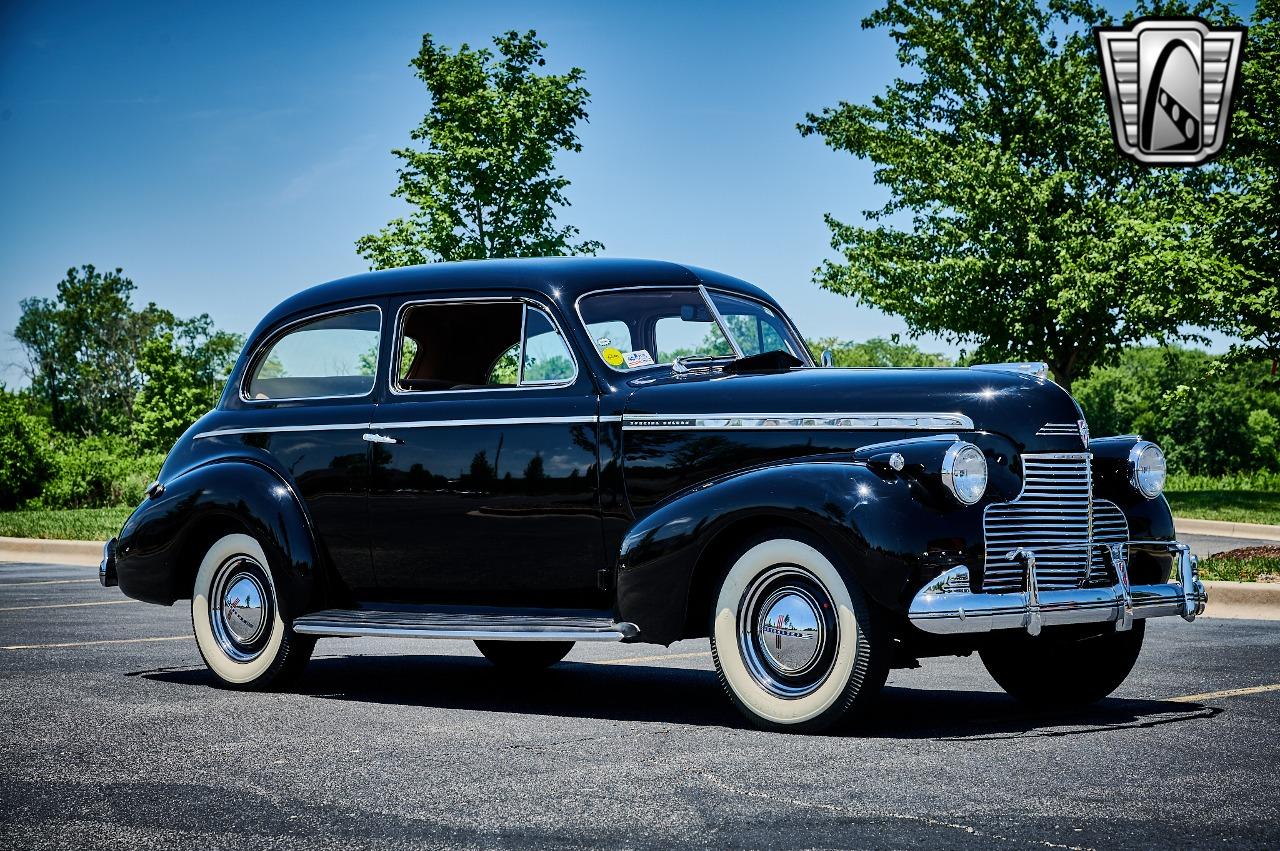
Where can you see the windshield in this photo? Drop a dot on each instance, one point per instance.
(636, 328)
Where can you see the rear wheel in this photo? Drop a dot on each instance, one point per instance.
(1057, 671)
(524, 655)
(797, 647)
(236, 618)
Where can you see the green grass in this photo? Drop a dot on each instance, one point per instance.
(73, 524)
(1240, 569)
(1239, 498)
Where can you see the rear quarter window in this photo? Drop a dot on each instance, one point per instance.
(334, 355)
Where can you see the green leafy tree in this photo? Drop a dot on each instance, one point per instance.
(1224, 426)
(183, 371)
(877, 351)
(1029, 236)
(1242, 203)
(82, 348)
(484, 182)
(93, 358)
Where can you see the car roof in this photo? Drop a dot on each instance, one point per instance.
(560, 279)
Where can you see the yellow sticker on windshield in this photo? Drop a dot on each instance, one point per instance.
(612, 356)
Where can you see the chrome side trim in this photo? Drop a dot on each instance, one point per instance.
(225, 432)
(279, 334)
(491, 421)
(821, 421)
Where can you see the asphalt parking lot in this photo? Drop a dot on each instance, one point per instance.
(115, 736)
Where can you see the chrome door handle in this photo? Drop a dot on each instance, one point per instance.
(379, 438)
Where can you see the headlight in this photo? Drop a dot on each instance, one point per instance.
(964, 472)
(1147, 469)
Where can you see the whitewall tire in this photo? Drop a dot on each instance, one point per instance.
(796, 646)
(235, 614)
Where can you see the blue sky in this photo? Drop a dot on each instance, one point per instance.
(228, 155)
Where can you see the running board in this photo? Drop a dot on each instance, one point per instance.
(487, 626)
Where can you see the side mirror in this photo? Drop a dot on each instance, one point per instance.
(828, 360)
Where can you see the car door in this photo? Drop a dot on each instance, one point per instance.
(310, 388)
(484, 478)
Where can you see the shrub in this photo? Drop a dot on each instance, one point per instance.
(26, 451)
(98, 472)
(1206, 424)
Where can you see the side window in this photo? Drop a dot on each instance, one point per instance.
(546, 355)
(479, 345)
(335, 355)
(754, 327)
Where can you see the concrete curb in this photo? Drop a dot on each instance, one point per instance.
(1249, 600)
(1222, 529)
(87, 553)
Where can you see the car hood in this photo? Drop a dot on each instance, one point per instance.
(1016, 405)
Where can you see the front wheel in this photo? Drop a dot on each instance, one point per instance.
(1054, 671)
(797, 647)
(236, 618)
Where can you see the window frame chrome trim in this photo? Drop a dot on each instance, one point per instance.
(524, 301)
(720, 323)
(280, 333)
(779, 313)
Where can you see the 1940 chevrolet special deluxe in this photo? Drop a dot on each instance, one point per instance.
(531, 453)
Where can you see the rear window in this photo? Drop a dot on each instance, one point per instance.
(335, 355)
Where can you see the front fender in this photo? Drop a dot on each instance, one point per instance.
(884, 535)
(160, 546)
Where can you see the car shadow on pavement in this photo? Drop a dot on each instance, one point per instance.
(676, 695)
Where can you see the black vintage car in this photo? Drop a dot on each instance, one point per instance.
(531, 453)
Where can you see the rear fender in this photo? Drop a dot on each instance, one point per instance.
(161, 544)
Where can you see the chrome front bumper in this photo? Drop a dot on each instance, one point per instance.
(947, 606)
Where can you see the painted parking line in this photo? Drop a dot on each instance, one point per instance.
(94, 643)
(1231, 692)
(45, 582)
(658, 658)
(66, 605)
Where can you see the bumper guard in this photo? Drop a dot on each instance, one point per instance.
(946, 605)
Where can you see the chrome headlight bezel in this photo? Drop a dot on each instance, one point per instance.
(954, 474)
(1148, 483)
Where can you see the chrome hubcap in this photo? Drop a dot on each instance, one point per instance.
(787, 631)
(241, 608)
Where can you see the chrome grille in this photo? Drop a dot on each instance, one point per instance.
(1054, 516)
(1109, 527)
